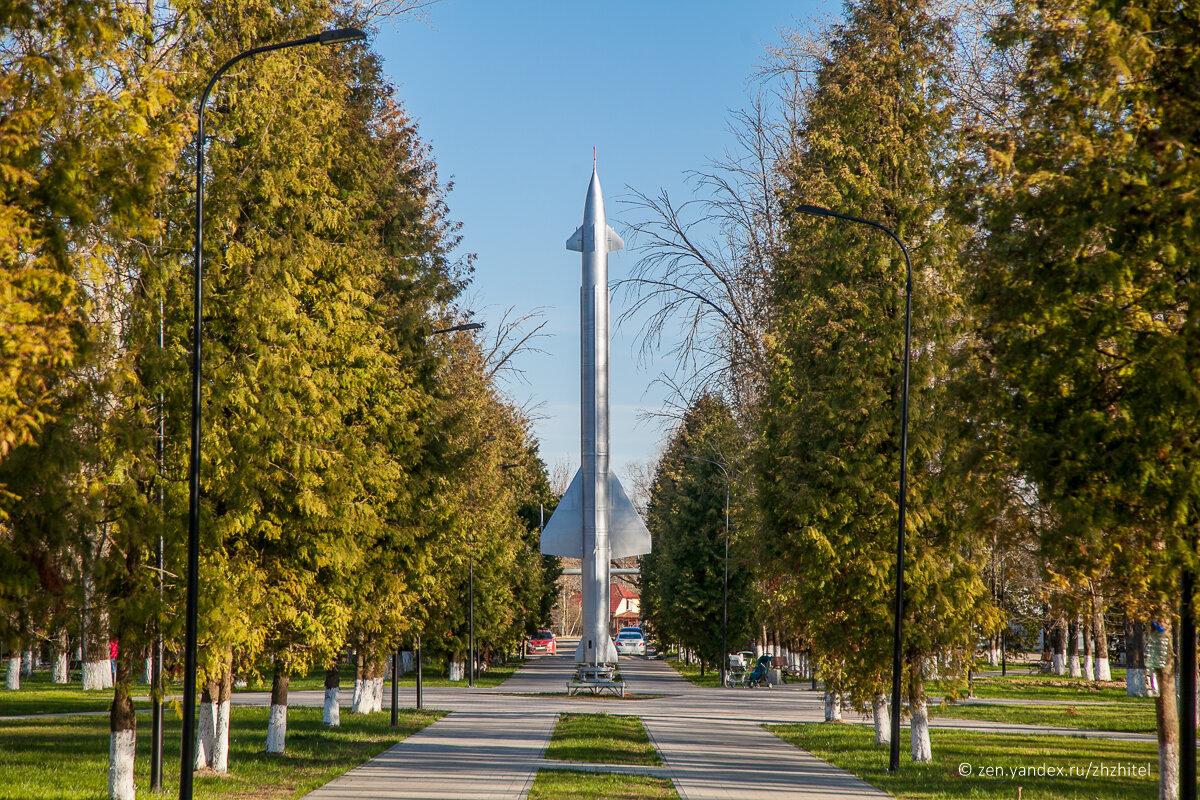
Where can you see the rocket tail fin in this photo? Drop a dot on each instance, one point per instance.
(563, 534)
(627, 534)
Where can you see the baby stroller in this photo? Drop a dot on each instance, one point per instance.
(758, 675)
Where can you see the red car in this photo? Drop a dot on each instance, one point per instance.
(542, 642)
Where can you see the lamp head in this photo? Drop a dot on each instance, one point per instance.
(340, 35)
(814, 210)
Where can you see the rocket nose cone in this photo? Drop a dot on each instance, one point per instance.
(593, 207)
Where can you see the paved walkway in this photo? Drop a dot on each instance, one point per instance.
(466, 755)
(711, 741)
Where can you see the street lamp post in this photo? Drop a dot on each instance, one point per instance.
(471, 619)
(468, 326)
(894, 758)
(193, 552)
(725, 582)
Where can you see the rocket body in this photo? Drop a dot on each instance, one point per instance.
(595, 520)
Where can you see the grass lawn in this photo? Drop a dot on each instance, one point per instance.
(1046, 687)
(38, 695)
(852, 748)
(1135, 719)
(712, 676)
(554, 784)
(601, 739)
(433, 675)
(66, 758)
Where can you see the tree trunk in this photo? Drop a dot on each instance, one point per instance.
(122, 741)
(833, 706)
(922, 751)
(364, 686)
(1089, 670)
(206, 735)
(1100, 634)
(61, 658)
(1167, 716)
(148, 671)
(27, 664)
(1073, 648)
(359, 678)
(458, 670)
(1058, 635)
(333, 712)
(277, 720)
(1135, 661)
(97, 669)
(883, 720)
(220, 750)
(12, 678)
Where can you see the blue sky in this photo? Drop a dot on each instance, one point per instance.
(513, 96)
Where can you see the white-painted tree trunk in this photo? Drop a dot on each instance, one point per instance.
(458, 670)
(333, 712)
(148, 671)
(27, 664)
(1058, 664)
(206, 733)
(12, 678)
(377, 694)
(1135, 682)
(922, 751)
(97, 674)
(277, 729)
(59, 673)
(122, 746)
(361, 704)
(833, 706)
(220, 748)
(406, 661)
(883, 720)
(1103, 671)
(1073, 667)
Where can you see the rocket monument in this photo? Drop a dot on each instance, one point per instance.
(595, 521)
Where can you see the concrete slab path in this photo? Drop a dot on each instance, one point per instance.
(711, 741)
(466, 755)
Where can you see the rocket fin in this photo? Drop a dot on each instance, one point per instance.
(576, 241)
(615, 242)
(563, 534)
(627, 534)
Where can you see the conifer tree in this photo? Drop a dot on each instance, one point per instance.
(1087, 279)
(875, 142)
(683, 577)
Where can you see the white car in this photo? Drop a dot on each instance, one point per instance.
(631, 643)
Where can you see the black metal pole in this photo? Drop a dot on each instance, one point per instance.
(898, 609)
(471, 625)
(395, 689)
(1187, 687)
(193, 547)
(156, 684)
(725, 594)
(420, 699)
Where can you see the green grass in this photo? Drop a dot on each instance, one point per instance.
(555, 784)
(38, 695)
(601, 739)
(712, 677)
(432, 675)
(1045, 687)
(852, 748)
(67, 758)
(1138, 719)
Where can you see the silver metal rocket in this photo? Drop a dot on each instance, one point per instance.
(594, 520)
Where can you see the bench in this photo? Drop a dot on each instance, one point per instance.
(1042, 666)
(596, 680)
